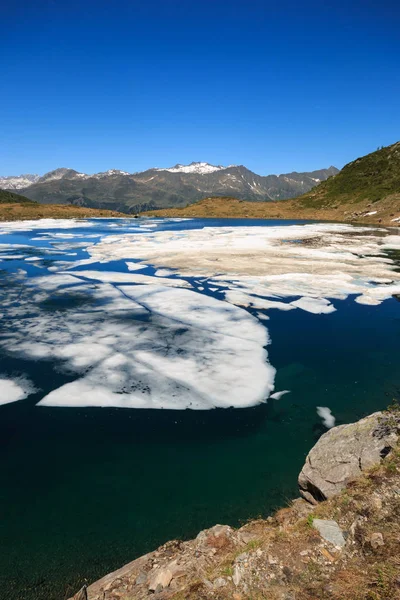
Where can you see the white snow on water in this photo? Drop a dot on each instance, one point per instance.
(278, 395)
(317, 306)
(135, 266)
(117, 277)
(15, 389)
(147, 346)
(312, 263)
(152, 341)
(326, 415)
(164, 273)
(9, 226)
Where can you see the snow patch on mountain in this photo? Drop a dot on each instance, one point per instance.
(200, 168)
(17, 182)
(108, 173)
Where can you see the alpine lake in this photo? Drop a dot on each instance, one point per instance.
(141, 365)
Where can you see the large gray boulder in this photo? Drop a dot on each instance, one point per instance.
(344, 452)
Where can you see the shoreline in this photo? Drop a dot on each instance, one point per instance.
(33, 212)
(386, 214)
(215, 208)
(302, 550)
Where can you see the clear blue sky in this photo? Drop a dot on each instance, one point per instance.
(277, 85)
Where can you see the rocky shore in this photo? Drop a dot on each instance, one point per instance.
(340, 540)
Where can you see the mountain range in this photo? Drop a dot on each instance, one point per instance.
(155, 188)
(366, 190)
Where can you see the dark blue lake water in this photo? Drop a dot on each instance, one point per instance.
(85, 489)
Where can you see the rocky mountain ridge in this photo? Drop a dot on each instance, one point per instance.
(367, 190)
(161, 187)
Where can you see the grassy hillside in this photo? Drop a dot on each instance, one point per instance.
(14, 207)
(370, 178)
(10, 197)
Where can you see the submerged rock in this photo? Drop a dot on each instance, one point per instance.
(344, 452)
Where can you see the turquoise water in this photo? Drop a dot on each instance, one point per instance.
(85, 490)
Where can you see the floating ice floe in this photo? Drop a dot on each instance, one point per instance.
(135, 266)
(326, 415)
(144, 346)
(260, 265)
(164, 273)
(15, 389)
(29, 225)
(278, 395)
(152, 341)
(118, 277)
(317, 306)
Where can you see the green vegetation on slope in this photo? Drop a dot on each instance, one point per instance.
(10, 197)
(373, 177)
(14, 207)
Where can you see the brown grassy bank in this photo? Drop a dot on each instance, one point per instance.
(14, 211)
(384, 211)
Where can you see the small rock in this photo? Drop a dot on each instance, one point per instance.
(219, 582)
(272, 560)
(329, 588)
(207, 583)
(141, 578)
(376, 503)
(237, 576)
(376, 540)
(82, 594)
(162, 577)
(236, 596)
(288, 573)
(242, 557)
(356, 523)
(330, 531)
(246, 536)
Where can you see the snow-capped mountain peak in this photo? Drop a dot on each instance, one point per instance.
(200, 168)
(18, 182)
(109, 173)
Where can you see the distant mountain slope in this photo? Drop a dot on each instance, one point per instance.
(18, 182)
(7, 197)
(163, 188)
(367, 190)
(371, 178)
(14, 207)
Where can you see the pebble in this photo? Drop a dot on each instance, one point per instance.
(219, 582)
(376, 540)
